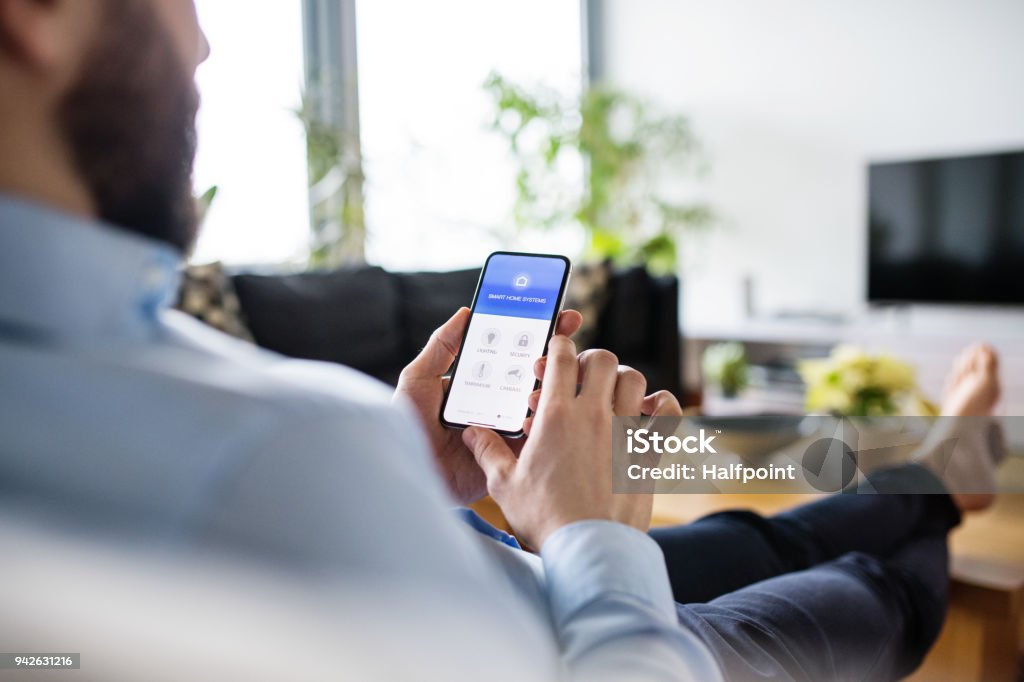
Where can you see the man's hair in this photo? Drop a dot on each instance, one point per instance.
(129, 120)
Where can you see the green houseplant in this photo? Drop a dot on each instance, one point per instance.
(628, 150)
(335, 167)
(725, 367)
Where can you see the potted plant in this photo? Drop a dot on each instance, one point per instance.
(877, 408)
(853, 383)
(628, 149)
(725, 368)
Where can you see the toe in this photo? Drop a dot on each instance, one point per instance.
(989, 359)
(964, 363)
(961, 365)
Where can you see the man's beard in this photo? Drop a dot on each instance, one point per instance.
(129, 122)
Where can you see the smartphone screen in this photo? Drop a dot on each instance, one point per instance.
(514, 311)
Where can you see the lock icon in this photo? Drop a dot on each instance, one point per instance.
(524, 340)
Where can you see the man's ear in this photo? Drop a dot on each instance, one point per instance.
(45, 34)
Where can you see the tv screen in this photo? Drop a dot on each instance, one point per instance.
(947, 230)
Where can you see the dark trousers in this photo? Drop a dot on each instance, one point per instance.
(850, 587)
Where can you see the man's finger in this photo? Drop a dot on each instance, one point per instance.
(665, 412)
(569, 322)
(439, 353)
(662, 404)
(630, 385)
(492, 454)
(560, 370)
(598, 369)
(542, 361)
(538, 367)
(533, 400)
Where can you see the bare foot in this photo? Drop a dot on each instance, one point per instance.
(968, 470)
(972, 388)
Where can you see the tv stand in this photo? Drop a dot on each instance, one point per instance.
(927, 337)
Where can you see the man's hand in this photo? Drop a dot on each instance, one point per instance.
(564, 471)
(423, 383)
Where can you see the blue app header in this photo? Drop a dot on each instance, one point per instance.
(521, 286)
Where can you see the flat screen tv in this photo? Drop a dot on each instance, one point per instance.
(947, 230)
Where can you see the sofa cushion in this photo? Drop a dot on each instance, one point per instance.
(430, 298)
(350, 316)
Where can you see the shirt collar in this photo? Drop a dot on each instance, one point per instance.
(66, 275)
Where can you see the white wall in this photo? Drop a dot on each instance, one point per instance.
(791, 98)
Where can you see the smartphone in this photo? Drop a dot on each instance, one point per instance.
(515, 308)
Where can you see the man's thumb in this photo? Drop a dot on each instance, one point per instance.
(439, 353)
(491, 453)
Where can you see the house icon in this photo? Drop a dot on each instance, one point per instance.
(521, 281)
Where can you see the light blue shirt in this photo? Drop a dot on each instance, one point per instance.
(121, 413)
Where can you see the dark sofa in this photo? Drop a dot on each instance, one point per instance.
(376, 321)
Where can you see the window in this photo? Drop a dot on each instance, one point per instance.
(251, 144)
(440, 186)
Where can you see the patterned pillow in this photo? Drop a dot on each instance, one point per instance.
(208, 295)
